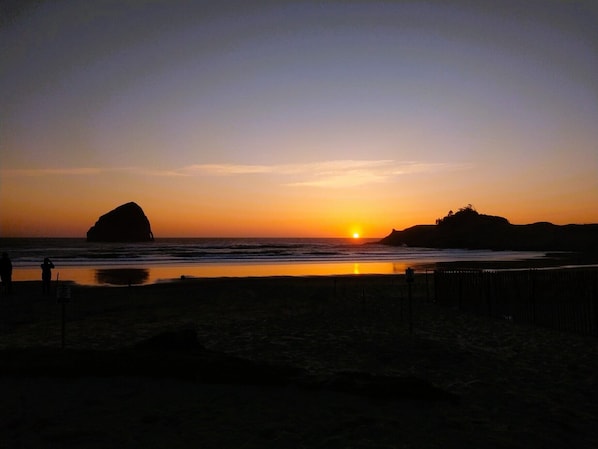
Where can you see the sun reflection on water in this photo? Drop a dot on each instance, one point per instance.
(157, 273)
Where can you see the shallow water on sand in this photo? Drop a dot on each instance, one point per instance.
(131, 275)
(165, 259)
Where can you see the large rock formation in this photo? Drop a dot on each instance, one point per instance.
(469, 229)
(126, 223)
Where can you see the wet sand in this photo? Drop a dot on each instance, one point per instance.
(517, 386)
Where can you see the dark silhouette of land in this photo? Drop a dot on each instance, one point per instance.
(469, 229)
(126, 223)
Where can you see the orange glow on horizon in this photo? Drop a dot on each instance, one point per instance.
(181, 213)
(312, 135)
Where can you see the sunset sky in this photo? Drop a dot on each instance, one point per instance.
(296, 119)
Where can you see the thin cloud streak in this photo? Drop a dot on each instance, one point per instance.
(336, 173)
(325, 174)
(29, 172)
(82, 171)
(227, 169)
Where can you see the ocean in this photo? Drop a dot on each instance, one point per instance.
(172, 258)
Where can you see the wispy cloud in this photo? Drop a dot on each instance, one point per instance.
(227, 169)
(84, 171)
(336, 173)
(331, 174)
(73, 171)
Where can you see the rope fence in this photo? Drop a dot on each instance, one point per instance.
(562, 299)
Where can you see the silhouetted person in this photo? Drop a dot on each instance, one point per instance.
(46, 275)
(6, 273)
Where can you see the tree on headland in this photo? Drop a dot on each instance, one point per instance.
(467, 216)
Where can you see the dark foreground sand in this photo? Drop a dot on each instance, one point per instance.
(517, 386)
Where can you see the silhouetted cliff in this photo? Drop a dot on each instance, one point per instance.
(469, 229)
(126, 223)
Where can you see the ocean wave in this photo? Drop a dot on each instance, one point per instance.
(77, 252)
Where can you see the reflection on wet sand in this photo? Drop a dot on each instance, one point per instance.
(122, 276)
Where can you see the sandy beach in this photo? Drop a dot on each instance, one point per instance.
(499, 384)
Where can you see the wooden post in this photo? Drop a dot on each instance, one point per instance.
(409, 277)
(532, 295)
(63, 293)
(63, 326)
(427, 288)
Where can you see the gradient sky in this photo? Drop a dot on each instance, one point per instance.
(279, 118)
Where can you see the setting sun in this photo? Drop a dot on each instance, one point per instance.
(356, 235)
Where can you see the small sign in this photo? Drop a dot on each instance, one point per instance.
(63, 293)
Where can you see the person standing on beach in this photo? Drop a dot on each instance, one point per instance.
(6, 273)
(46, 275)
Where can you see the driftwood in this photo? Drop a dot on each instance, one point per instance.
(179, 355)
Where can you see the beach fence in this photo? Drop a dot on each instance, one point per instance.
(562, 299)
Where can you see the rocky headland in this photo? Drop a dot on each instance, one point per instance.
(471, 230)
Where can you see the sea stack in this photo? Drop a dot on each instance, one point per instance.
(126, 223)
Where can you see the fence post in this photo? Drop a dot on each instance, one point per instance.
(486, 292)
(409, 277)
(436, 282)
(427, 288)
(532, 295)
(63, 294)
(460, 291)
